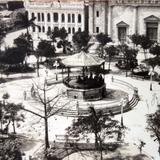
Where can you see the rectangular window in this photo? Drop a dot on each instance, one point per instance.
(39, 17)
(55, 17)
(42, 17)
(122, 34)
(152, 30)
(97, 29)
(97, 13)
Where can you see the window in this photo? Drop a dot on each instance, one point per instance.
(73, 30)
(79, 29)
(69, 30)
(55, 17)
(39, 29)
(49, 29)
(152, 30)
(48, 17)
(62, 18)
(33, 28)
(42, 17)
(97, 29)
(122, 34)
(33, 15)
(79, 18)
(97, 13)
(69, 18)
(43, 29)
(39, 17)
(73, 18)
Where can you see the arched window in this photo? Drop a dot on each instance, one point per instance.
(73, 30)
(63, 18)
(73, 18)
(79, 29)
(43, 29)
(79, 18)
(42, 17)
(55, 17)
(33, 29)
(39, 29)
(39, 17)
(33, 15)
(48, 17)
(69, 18)
(49, 29)
(69, 30)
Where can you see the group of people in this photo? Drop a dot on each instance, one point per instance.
(91, 77)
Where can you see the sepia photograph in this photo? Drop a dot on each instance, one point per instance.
(79, 79)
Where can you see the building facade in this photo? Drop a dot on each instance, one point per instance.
(118, 18)
(52, 14)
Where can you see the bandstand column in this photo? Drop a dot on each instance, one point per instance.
(68, 72)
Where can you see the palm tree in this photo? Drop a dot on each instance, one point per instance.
(24, 21)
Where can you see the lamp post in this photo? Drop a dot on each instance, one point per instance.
(122, 103)
(151, 73)
(56, 65)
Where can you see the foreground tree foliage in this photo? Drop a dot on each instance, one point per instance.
(110, 51)
(10, 113)
(13, 56)
(62, 35)
(80, 40)
(103, 39)
(155, 50)
(129, 57)
(10, 149)
(143, 41)
(153, 121)
(45, 49)
(101, 126)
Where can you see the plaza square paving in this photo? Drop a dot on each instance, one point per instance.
(33, 126)
(135, 119)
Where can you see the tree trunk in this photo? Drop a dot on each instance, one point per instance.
(96, 140)
(109, 64)
(14, 128)
(38, 66)
(46, 133)
(64, 49)
(45, 119)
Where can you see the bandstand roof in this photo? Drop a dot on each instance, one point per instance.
(82, 59)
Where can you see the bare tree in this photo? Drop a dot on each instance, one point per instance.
(50, 105)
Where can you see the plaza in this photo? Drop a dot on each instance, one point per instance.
(135, 119)
(81, 80)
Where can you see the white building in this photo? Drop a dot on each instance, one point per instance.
(118, 18)
(51, 14)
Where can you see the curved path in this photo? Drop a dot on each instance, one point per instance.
(135, 119)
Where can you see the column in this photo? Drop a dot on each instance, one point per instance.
(110, 21)
(76, 22)
(93, 10)
(59, 20)
(82, 21)
(45, 22)
(136, 20)
(51, 23)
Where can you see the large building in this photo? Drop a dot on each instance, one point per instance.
(118, 18)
